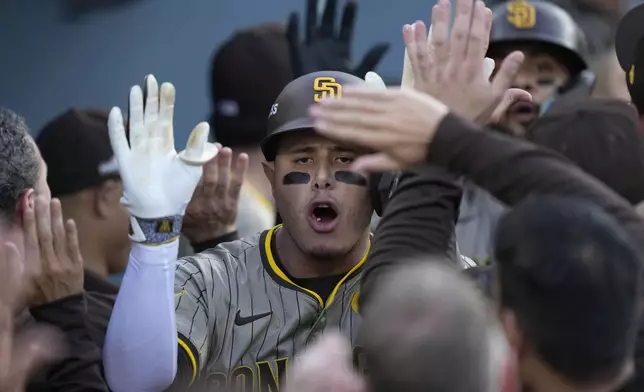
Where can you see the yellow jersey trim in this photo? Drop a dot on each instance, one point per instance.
(193, 360)
(277, 271)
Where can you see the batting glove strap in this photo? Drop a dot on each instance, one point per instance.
(156, 231)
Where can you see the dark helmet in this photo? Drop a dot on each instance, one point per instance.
(543, 23)
(290, 112)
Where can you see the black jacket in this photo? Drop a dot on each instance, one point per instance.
(83, 319)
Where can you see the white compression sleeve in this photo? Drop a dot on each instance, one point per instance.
(140, 352)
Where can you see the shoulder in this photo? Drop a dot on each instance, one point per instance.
(225, 255)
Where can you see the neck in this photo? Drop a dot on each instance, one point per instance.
(300, 264)
(255, 175)
(541, 378)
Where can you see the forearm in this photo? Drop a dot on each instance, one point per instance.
(419, 220)
(140, 352)
(209, 244)
(512, 170)
(81, 369)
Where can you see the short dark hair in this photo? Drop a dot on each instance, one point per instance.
(571, 274)
(20, 167)
(429, 330)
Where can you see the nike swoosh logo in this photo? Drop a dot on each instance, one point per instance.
(239, 320)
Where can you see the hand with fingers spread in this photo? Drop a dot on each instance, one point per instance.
(21, 353)
(61, 263)
(157, 182)
(212, 212)
(400, 124)
(452, 66)
(325, 50)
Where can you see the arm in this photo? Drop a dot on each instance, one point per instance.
(212, 243)
(140, 352)
(419, 219)
(81, 369)
(512, 170)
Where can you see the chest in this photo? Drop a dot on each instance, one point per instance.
(267, 325)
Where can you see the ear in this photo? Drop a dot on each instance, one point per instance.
(269, 172)
(26, 201)
(106, 197)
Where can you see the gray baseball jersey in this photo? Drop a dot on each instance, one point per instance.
(241, 319)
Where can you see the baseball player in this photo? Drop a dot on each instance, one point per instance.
(241, 311)
(554, 72)
(554, 47)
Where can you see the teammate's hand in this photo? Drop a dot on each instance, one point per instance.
(157, 182)
(452, 67)
(212, 212)
(399, 123)
(325, 50)
(61, 263)
(21, 354)
(408, 80)
(325, 366)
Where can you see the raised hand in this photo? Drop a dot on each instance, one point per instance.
(61, 264)
(20, 353)
(212, 212)
(323, 48)
(157, 182)
(399, 123)
(452, 66)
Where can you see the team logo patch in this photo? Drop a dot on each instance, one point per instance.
(326, 87)
(631, 75)
(164, 226)
(522, 14)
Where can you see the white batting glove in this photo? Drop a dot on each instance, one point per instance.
(157, 182)
(374, 81)
(408, 78)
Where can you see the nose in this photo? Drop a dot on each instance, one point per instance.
(323, 178)
(525, 81)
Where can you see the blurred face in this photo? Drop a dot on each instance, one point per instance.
(542, 75)
(117, 220)
(325, 207)
(41, 188)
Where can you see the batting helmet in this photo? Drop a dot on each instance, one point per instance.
(290, 112)
(543, 23)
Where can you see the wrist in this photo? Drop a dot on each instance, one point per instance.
(155, 231)
(213, 242)
(207, 234)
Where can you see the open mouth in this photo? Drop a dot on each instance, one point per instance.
(323, 217)
(524, 112)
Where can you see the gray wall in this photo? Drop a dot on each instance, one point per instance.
(48, 64)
